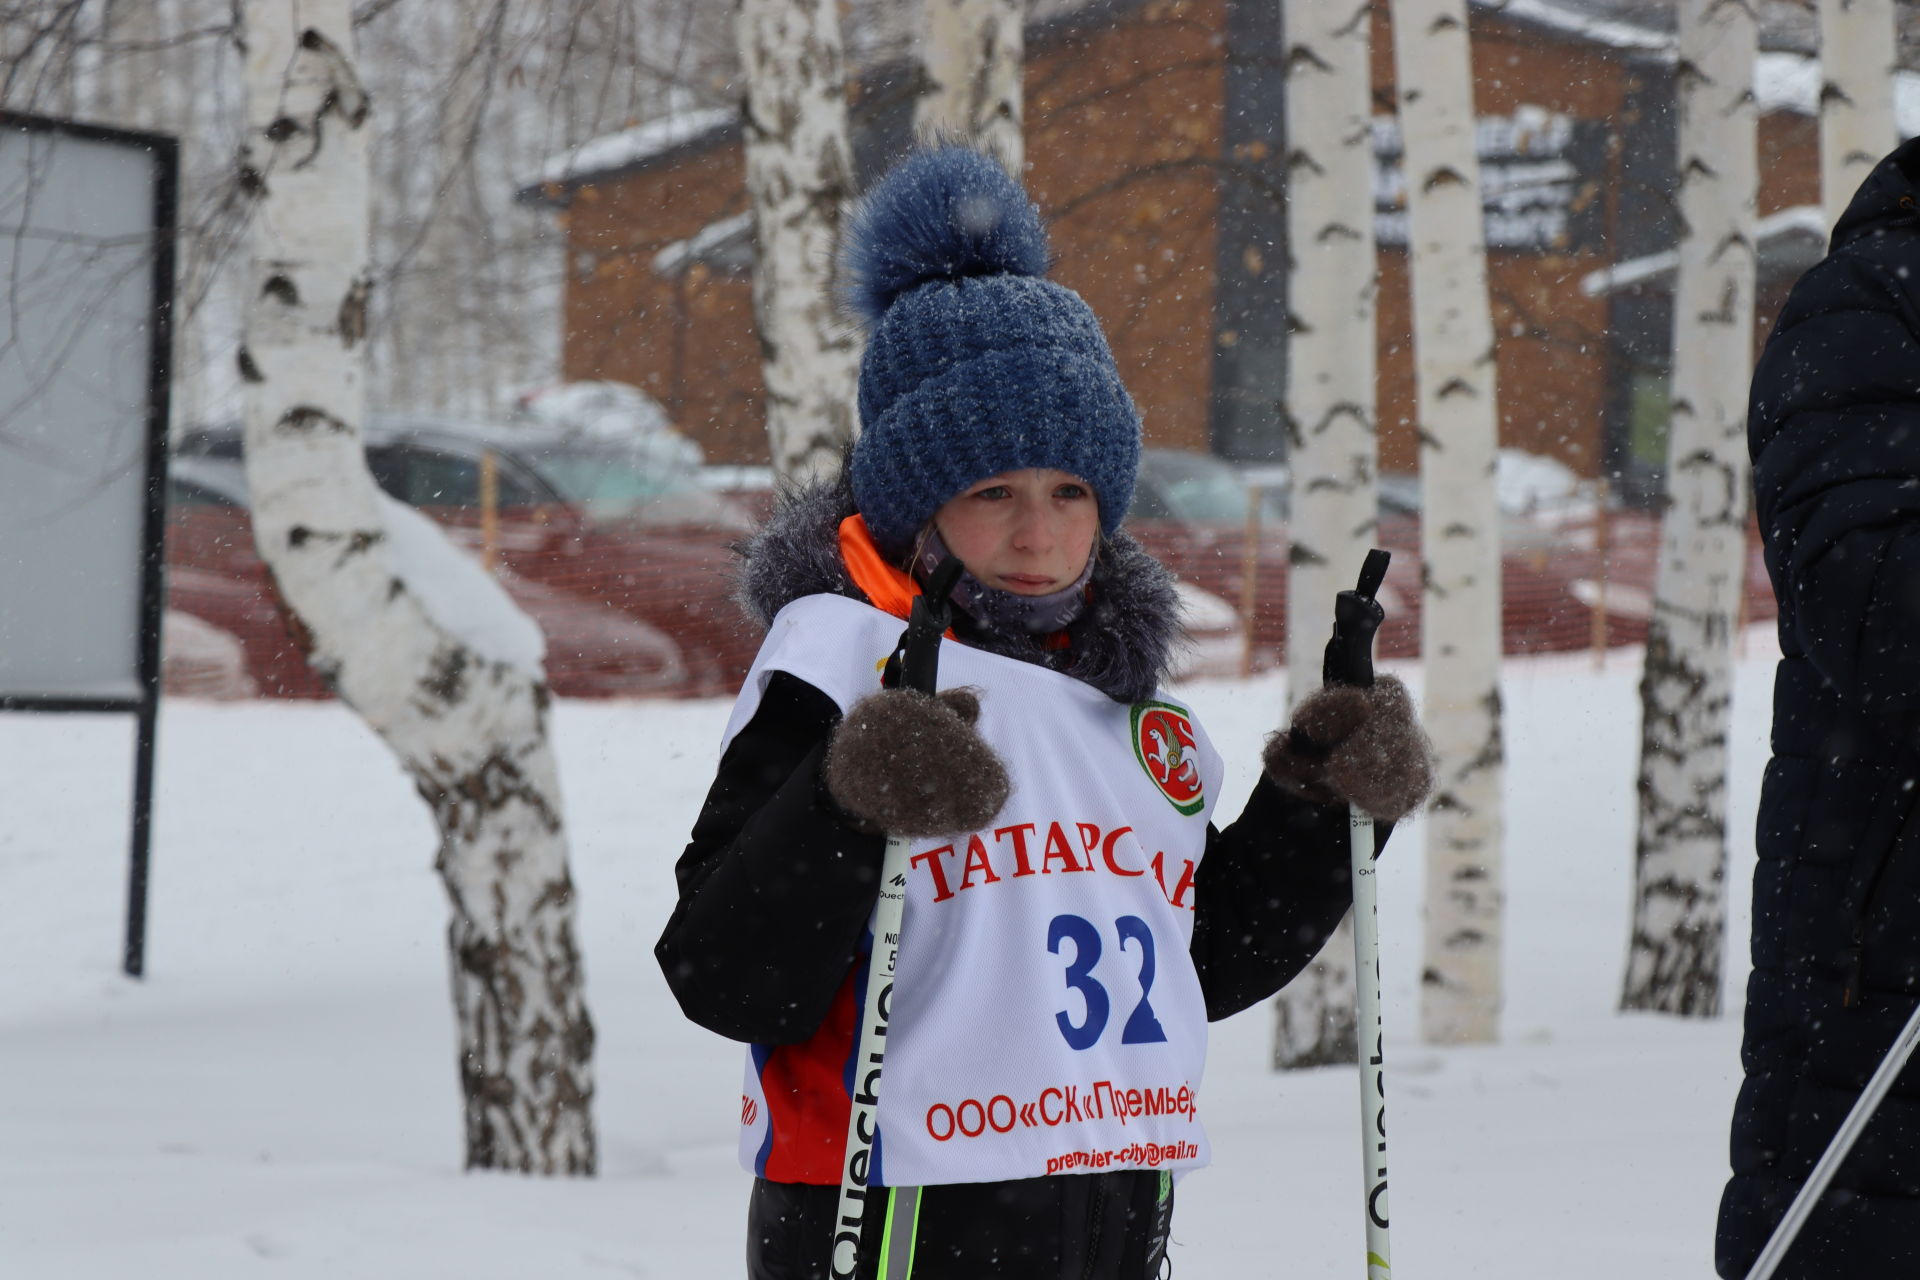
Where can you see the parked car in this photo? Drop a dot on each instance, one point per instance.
(215, 575)
(1628, 549)
(586, 515)
(1192, 511)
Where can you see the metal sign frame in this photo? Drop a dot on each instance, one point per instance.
(145, 707)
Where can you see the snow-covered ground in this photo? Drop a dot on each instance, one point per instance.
(278, 1097)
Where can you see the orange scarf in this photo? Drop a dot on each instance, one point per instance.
(888, 589)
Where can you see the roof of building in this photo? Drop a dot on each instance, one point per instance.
(879, 43)
(1617, 24)
(630, 148)
(1789, 241)
(879, 37)
(1786, 26)
(1791, 82)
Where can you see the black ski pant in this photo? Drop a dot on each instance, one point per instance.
(1083, 1226)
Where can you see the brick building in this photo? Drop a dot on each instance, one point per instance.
(1154, 136)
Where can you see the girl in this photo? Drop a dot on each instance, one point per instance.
(1073, 916)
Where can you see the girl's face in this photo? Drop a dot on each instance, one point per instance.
(1028, 532)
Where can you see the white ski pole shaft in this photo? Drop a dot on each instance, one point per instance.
(863, 1120)
(1829, 1163)
(1356, 618)
(914, 665)
(1373, 1105)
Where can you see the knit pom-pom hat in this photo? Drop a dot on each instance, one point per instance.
(975, 362)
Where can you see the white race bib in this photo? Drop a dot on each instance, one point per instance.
(1046, 1016)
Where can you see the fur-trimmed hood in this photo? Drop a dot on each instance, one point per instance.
(1123, 644)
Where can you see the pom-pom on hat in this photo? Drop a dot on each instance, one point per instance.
(975, 362)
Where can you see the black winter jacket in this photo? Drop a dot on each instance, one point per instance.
(1834, 431)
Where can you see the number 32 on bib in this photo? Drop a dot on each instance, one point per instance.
(1141, 1026)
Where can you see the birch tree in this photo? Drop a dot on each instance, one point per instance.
(1674, 958)
(974, 55)
(799, 175)
(412, 635)
(1458, 421)
(1329, 413)
(1858, 45)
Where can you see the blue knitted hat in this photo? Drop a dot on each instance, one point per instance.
(975, 362)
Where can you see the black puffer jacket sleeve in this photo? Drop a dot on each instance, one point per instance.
(1270, 891)
(775, 887)
(1835, 431)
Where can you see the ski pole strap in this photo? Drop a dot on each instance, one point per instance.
(914, 663)
(903, 1226)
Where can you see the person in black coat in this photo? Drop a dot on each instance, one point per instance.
(1834, 430)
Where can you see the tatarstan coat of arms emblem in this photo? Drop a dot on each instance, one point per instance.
(1165, 745)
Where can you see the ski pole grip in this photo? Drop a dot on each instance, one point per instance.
(1356, 618)
(915, 662)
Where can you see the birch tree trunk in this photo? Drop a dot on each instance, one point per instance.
(414, 636)
(1329, 414)
(799, 176)
(1858, 45)
(974, 53)
(1457, 408)
(1674, 959)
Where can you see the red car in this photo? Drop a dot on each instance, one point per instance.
(612, 520)
(1631, 559)
(215, 575)
(1191, 511)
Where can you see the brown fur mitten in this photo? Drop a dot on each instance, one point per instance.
(911, 764)
(1362, 747)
